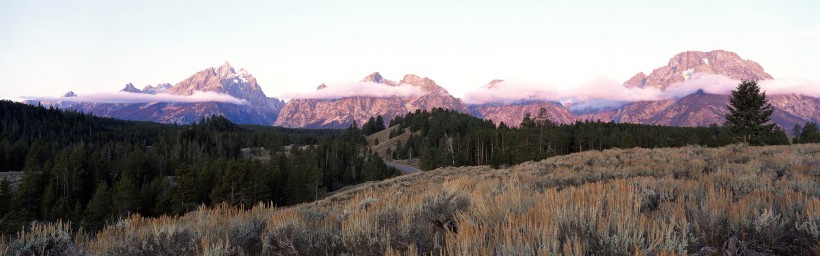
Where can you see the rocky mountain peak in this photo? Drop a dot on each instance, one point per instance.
(69, 94)
(257, 109)
(222, 79)
(130, 88)
(321, 86)
(493, 84)
(226, 80)
(340, 113)
(683, 66)
(225, 70)
(160, 88)
(426, 84)
(375, 77)
(638, 80)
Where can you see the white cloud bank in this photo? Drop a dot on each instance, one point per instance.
(358, 89)
(605, 92)
(128, 97)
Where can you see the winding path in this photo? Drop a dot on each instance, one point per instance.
(404, 169)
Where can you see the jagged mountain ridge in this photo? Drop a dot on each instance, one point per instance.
(702, 109)
(696, 109)
(259, 109)
(342, 112)
(512, 114)
(683, 65)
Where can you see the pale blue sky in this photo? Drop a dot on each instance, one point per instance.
(50, 47)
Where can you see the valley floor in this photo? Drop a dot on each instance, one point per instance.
(734, 199)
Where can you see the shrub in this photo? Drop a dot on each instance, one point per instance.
(436, 216)
(294, 238)
(43, 239)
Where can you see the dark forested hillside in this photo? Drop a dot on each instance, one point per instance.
(91, 171)
(448, 138)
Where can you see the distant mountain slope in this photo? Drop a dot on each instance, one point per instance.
(258, 108)
(512, 114)
(699, 108)
(683, 65)
(339, 113)
(696, 109)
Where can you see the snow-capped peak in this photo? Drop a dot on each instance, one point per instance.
(687, 74)
(240, 76)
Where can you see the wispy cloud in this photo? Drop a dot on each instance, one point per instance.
(127, 97)
(358, 89)
(604, 92)
(791, 86)
(601, 88)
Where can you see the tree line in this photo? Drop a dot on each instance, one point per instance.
(444, 137)
(91, 170)
(448, 138)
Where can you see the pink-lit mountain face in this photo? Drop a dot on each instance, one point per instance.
(699, 108)
(512, 113)
(223, 80)
(342, 112)
(691, 109)
(684, 65)
(696, 109)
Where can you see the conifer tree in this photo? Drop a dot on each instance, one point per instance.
(810, 133)
(380, 124)
(796, 131)
(232, 186)
(371, 170)
(258, 188)
(5, 196)
(749, 113)
(496, 158)
(126, 197)
(304, 181)
(183, 196)
(5, 148)
(99, 207)
(29, 194)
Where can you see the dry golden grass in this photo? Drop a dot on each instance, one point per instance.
(692, 200)
(382, 136)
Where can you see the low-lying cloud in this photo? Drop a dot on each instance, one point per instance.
(128, 97)
(605, 93)
(358, 89)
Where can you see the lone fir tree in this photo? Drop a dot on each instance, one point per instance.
(749, 113)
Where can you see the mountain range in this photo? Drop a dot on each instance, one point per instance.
(697, 108)
(222, 80)
(339, 113)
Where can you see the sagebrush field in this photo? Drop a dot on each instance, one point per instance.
(730, 200)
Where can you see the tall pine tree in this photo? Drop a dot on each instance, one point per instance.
(749, 113)
(126, 197)
(99, 207)
(5, 196)
(810, 133)
(184, 194)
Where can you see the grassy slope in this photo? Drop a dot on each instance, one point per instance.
(385, 142)
(696, 200)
